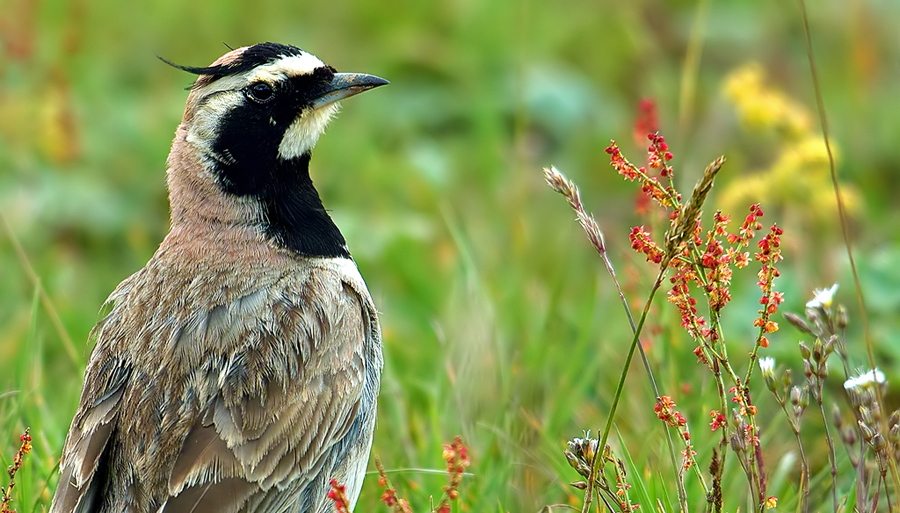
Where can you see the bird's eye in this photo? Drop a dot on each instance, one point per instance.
(260, 92)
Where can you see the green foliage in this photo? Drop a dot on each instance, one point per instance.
(498, 321)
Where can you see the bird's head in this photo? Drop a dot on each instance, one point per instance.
(251, 121)
(258, 105)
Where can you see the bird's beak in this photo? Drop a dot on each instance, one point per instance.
(345, 85)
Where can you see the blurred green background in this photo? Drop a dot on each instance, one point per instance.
(499, 321)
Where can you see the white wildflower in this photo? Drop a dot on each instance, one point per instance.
(767, 366)
(865, 380)
(822, 297)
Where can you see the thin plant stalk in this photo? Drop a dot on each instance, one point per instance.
(831, 456)
(804, 474)
(690, 68)
(845, 231)
(620, 388)
(719, 470)
(68, 345)
(804, 463)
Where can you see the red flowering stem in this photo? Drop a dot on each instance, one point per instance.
(720, 365)
(723, 407)
(722, 355)
(338, 494)
(705, 264)
(456, 454)
(719, 457)
(24, 448)
(389, 498)
(666, 412)
(717, 351)
(651, 186)
(768, 255)
(622, 487)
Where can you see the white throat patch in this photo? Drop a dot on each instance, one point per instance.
(304, 132)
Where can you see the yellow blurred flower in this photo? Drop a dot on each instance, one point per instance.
(800, 174)
(761, 107)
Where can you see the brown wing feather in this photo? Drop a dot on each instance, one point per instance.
(232, 400)
(275, 433)
(223, 496)
(203, 448)
(86, 443)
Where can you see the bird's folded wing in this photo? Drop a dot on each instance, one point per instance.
(86, 443)
(271, 406)
(271, 428)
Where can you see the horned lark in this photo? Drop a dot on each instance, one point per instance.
(239, 370)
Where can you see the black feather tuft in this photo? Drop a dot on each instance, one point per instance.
(256, 55)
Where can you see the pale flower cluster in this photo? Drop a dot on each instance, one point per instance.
(822, 298)
(865, 380)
